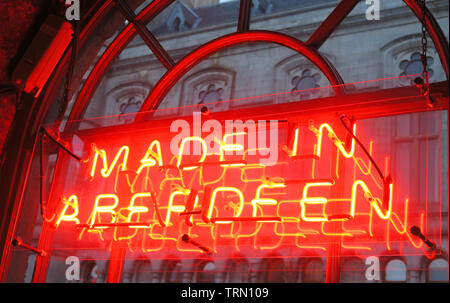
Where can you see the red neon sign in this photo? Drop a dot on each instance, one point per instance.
(133, 188)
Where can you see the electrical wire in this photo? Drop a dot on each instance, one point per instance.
(361, 145)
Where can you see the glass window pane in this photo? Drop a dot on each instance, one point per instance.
(382, 50)
(353, 271)
(207, 274)
(395, 271)
(143, 272)
(314, 272)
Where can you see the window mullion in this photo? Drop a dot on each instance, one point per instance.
(151, 41)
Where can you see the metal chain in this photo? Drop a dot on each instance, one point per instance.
(424, 48)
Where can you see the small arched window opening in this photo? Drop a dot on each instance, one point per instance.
(437, 271)
(273, 271)
(238, 271)
(395, 271)
(353, 271)
(211, 94)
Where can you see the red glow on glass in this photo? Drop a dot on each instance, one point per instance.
(133, 189)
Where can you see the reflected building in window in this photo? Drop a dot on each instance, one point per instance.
(269, 70)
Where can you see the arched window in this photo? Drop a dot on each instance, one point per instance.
(395, 271)
(313, 271)
(437, 271)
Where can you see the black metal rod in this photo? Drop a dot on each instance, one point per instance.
(46, 133)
